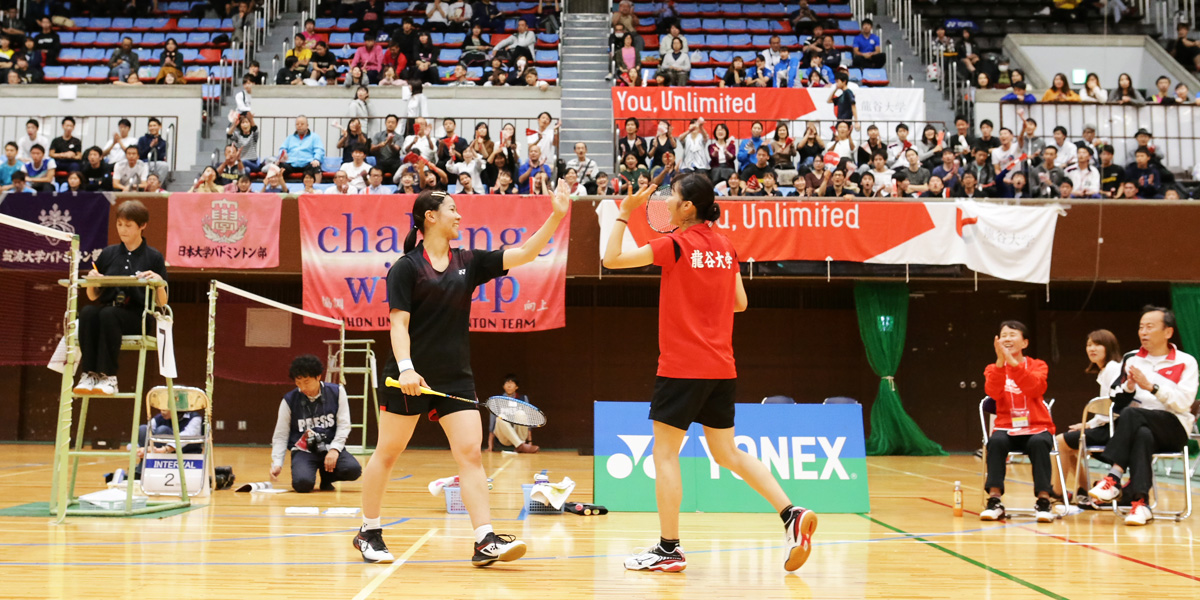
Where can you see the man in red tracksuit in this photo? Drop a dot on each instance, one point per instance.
(1017, 382)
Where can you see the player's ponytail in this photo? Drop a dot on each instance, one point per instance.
(698, 189)
(428, 200)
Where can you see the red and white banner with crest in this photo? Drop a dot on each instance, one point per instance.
(223, 231)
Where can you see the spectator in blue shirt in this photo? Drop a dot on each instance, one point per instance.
(302, 151)
(1018, 94)
(787, 69)
(1143, 174)
(868, 53)
(760, 75)
(18, 184)
(746, 151)
(533, 169)
(842, 99)
(9, 166)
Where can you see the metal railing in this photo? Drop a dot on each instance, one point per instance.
(92, 130)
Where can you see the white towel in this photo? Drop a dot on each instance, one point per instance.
(553, 494)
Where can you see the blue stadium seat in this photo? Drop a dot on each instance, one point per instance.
(186, 25)
(97, 74)
(821, 10)
(324, 24)
(221, 73)
(445, 72)
(210, 91)
(227, 25)
(189, 55)
(548, 38)
(81, 23)
(145, 73)
(198, 39)
(722, 57)
(54, 74)
(548, 74)
(688, 8)
(474, 72)
(717, 42)
(144, 54)
(356, 39)
(747, 56)
(136, 38)
(761, 41)
(507, 8)
(437, 39)
(855, 75)
(331, 164)
(449, 56)
(700, 57)
(752, 10)
(228, 54)
(702, 76)
(297, 188)
(209, 24)
(100, 24)
(760, 25)
(789, 40)
(510, 24)
(344, 24)
(740, 40)
(711, 25)
(94, 54)
(108, 38)
(66, 38)
(545, 57)
(339, 39)
(151, 24)
(840, 41)
(736, 25)
(85, 38)
(526, 6)
(690, 25)
(122, 23)
(154, 40)
(875, 76)
(840, 11)
(851, 27)
(775, 10)
(455, 39)
(847, 58)
(76, 73)
(719, 72)
(709, 8)
(70, 55)
(255, 187)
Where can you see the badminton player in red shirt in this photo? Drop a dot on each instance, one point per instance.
(701, 289)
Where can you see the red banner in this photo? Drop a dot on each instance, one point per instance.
(350, 242)
(223, 231)
(673, 103)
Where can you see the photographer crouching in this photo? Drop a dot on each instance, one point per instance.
(314, 422)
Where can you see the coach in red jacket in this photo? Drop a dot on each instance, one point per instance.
(1017, 382)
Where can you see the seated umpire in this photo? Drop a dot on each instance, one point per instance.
(314, 422)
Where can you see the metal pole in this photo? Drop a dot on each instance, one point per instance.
(59, 496)
(918, 37)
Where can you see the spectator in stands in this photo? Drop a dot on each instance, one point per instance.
(459, 15)
(67, 150)
(1006, 154)
(787, 71)
(1046, 177)
(968, 187)
(937, 189)
(1059, 142)
(630, 170)
(632, 143)
(241, 186)
(1030, 143)
(759, 166)
(880, 171)
(834, 185)
(665, 172)
(273, 182)
(1111, 175)
(170, 61)
(360, 108)
(375, 185)
(830, 54)
(895, 150)
(662, 143)
(385, 145)
(981, 167)
(288, 75)
(487, 15)
(1158, 386)
(1182, 95)
(1183, 49)
(1144, 139)
(867, 149)
(115, 150)
(311, 37)
(308, 180)
(1092, 91)
(1085, 178)
(452, 146)
(843, 145)
(760, 75)
(123, 61)
(517, 45)
(1089, 139)
(231, 168)
(803, 19)
(153, 148)
(929, 148)
(867, 187)
(1018, 93)
(369, 57)
(6, 53)
(628, 20)
(130, 174)
(421, 141)
(302, 150)
(735, 75)
(1059, 91)
(1125, 92)
(774, 52)
(12, 26)
(868, 51)
(676, 65)
(722, 153)
(783, 155)
(1145, 175)
(819, 74)
(47, 41)
(73, 184)
(811, 147)
(475, 47)
(944, 44)
(26, 69)
(19, 184)
(13, 77)
(986, 139)
(323, 60)
(341, 185)
(243, 135)
(9, 166)
(947, 173)
(968, 52)
(472, 165)
(357, 169)
(813, 45)
(301, 51)
(585, 168)
(673, 32)
(842, 99)
(916, 175)
(437, 16)
(1128, 191)
(982, 81)
(1012, 185)
(748, 148)
(40, 170)
(459, 77)
(423, 68)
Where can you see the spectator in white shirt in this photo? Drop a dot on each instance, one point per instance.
(243, 98)
(460, 16)
(521, 44)
(667, 39)
(32, 137)
(676, 65)
(587, 168)
(471, 164)
(421, 141)
(772, 54)
(341, 185)
(115, 150)
(356, 170)
(1085, 178)
(376, 186)
(130, 175)
(1006, 152)
(693, 149)
(437, 16)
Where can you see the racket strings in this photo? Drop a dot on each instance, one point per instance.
(516, 412)
(658, 215)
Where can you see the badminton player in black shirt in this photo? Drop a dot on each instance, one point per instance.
(429, 292)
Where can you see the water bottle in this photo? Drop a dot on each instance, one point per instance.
(958, 499)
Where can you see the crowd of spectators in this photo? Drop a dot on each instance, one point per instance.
(126, 162)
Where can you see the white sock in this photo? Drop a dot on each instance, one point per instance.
(481, 532)
(371, 523)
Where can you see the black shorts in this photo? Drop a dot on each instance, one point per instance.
(681, 402)
(398, 403)
(1095, 436)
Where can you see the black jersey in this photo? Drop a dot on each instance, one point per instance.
(439, 307)
(120, 261)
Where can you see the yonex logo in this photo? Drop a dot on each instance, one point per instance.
(786, 457)
(621, 466)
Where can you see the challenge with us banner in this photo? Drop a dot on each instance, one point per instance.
(348, 243)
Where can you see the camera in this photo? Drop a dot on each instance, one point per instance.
(316, 442)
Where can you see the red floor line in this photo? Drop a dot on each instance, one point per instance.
(1088, 546)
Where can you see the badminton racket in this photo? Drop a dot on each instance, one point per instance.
(514, 411)
(658, 216)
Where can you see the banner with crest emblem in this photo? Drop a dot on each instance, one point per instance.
(83, 213)
(223, 231)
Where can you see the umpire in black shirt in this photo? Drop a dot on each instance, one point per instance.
(118, 311)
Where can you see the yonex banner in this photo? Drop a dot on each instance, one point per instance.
(348, 243)
(816, 452)
(1009, 242)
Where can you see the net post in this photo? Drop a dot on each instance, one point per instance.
(210, 351)
(59, 495)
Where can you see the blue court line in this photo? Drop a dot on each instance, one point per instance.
(442, 561)
(401, 478)
(244, 539)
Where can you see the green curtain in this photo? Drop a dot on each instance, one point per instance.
(882, 319)
(1185, 301)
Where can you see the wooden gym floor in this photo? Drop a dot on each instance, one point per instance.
(909, 546)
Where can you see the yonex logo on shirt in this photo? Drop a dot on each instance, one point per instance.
(711, 260)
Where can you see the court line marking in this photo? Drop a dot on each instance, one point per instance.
(502, 467)
(991, 569)
(1090, 547)
(370, 587)
(401, 478)
(152, 542)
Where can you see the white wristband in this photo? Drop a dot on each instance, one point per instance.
(406, 365)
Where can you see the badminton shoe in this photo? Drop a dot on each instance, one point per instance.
(798, 531)
(370, 543)
(1107, 490)
(105, 386)
(994, 511)
(496, 547)
(87, 384)
(1140, 514)
(1042, 511)
(657, 559)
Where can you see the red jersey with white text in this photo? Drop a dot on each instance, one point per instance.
(1018, 392)
(696, 302)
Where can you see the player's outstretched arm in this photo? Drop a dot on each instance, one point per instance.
(614, 255)
(740, 300)
(560, 204)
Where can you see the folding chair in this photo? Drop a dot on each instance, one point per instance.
(985, 409)
(159, 470)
